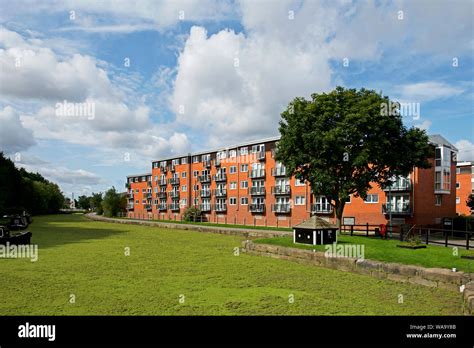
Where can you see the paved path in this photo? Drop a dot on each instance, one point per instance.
(234, 231)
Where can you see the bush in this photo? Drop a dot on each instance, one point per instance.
(192, 214)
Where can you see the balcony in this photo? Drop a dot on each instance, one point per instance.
(397, 209)
(279, 171)
(148, 206)
(174, 194)
(174, 206)
(172, 167)
(205, 207)
(148, 183)
(162, 194)
(220, 207)
(220, 192)
(281, 208)
(260, 155)
(162, 182)
(281, 190)
(130, 206)
(163, 169)
(319, 208)
(162, 207)
(399, 186)
(257, 173)
(130, 195)
(206, 163)
(205, 193)
(148, 195)
(217, 162)
(127, 185)
(204, 178)
(257, 208)
(220, 177)
(257, 190)
(174, 181)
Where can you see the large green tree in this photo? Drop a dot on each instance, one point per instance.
(114, 202)
(345, 141)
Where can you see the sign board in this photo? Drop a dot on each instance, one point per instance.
(348, 221)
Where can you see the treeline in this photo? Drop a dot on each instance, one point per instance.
(21, 190)
(110, 204)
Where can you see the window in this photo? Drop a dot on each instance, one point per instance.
(299, 182)
(175, 162)
(232, 201)
(143, 190)
(446, 179)
(156, 177)
(348, 199)
(244, 150)
(244, 184)
(184, 203)
(184, 160)
(300, 200)
(155, 164)
(372, 198)
(232, 153)
(137, 190)
(232, 169)
(184, 188)
(244, 168)
(438, 180)
(438, 157)
(233, 185)
(244, 200)
(183, 175)
(137, 202)
(458, 185)
(458, 170)
(196, 201)
(195, 159)
(458, 200)
(143, 201)
(438, 199)
(196, 188)
(195, 173)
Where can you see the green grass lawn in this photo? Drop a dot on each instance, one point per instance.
(86, 258)
(387, 250)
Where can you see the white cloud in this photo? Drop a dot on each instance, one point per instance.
(426, 124)
(466, 150)
(13, 135)
(427, 91)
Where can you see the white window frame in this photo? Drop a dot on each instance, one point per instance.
(372, 195)
(242, 184)
(242, 199)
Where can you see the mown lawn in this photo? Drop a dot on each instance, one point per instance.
(86, 258)
(387, 250)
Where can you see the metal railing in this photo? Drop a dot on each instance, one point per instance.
(319, 208)
(204, 178)
(399, 186)
(279, 171)
(220, 192)
(257, 190)
(281, 190)
(205, 193)
(220, 207)
(220, 177)
(257, 173)
(257, 208)
(173, 181)
(281, 208)
(398, 208)
(205, 207)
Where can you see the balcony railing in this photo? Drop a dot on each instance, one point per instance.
(162, 182)
(206, 163)
(148, 206)
(174, 194)
(281, 190)
(205, 207)
(130, 196)
(148, 195)
(163, 169)
(204, 178)
(205, 193)
(260, 155)
(162, 207)
(217, 162)
(220, 177)
(279, 171)
(130, 206)
(400, 208)
(281, 208)
(399, 186)
(162, 194)
(148, 183)
(257, 173)
(257, 208)
(220, 192)
(174, 206)
(257, 190)
(174, 181)
(319, 208)
(220, 207)
(172, 167)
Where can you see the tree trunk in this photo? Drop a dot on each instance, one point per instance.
(339, 207)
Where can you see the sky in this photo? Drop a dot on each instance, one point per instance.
(163, 78)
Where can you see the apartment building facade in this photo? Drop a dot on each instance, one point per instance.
(464, 186)
(244, 184)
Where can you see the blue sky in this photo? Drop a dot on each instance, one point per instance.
(212, 73)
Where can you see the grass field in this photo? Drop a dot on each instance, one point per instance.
(86, 258)
(387, 250)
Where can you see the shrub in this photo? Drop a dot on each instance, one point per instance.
(192, 214)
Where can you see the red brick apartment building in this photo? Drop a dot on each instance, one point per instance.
(464, 186)
(243, 184)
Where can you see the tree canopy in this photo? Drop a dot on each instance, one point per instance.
(342, 142)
